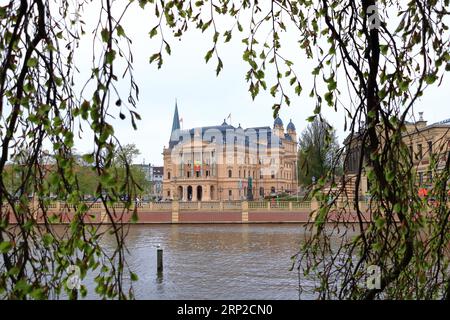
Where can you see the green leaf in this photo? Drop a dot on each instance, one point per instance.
(153, 32)
(209, 55)
(32, 63)
(430, 79)
(298, 88)
(133, 276)
(219, 67)
(273, 90)
(154, 57)
(105, 35)
(5, 246)
(120, 31)
(47, 239)
(110, 56)
(390, 175)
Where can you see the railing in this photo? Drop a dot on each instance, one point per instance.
(190, 205)
(232, 205)
(257, 205)
(301, 205)
(162, 206)
(171, 206)
(210, 205)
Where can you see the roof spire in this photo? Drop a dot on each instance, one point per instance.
(176, 118)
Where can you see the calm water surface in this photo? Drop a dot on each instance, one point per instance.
(215, 261)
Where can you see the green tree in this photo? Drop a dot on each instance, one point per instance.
(318, 152)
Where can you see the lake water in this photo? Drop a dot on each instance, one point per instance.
(215, 261)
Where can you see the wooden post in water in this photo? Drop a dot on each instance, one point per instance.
(159, 259)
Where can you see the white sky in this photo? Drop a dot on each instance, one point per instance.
(203, 98)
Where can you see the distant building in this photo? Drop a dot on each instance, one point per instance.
(424, 142)
(223, 162)
(155, 175)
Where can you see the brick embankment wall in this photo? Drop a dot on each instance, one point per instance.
(281, 216)
(210, 217)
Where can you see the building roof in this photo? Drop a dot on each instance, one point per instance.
(290, 126)
(176, 119)
(158, 170)
(278, 122)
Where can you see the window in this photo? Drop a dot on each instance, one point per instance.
(261, 191)
(239, 173)
(430, 177)
(197, 174)
(188, 174)
(207, 173)
(230, 193)
(430, 148)
(411, 152)
(420, 178)
(273, 175)
(244, 174)
(230, 174)
(168, 175)
(168, 193)
(419, 151)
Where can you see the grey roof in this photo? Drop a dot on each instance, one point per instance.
(158, 170)
(291, 126)
(278, 122)
(263, 134)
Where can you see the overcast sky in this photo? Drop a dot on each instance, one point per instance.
(204, 99)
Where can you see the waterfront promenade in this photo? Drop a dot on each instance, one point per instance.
(199, 212)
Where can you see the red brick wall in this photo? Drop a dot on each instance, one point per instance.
(274, 216)
(204, 216)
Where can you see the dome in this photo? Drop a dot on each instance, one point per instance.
(291, 126)
(278, 122)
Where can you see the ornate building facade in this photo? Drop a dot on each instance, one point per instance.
(228, 163)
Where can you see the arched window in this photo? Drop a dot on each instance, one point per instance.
(230, 173)
(168, 175)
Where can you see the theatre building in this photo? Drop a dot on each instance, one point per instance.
(224, 162)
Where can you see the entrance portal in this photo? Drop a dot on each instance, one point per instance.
(189, 193)
(180, 193)
(199, 193)
(211, 193)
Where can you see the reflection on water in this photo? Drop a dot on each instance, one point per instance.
(215, 261)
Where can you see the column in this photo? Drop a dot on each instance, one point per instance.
(244, 211)
(175, 210)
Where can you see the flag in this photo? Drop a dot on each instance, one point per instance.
(229, 116)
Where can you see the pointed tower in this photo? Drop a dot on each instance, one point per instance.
(176, 119)
(174, 134)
